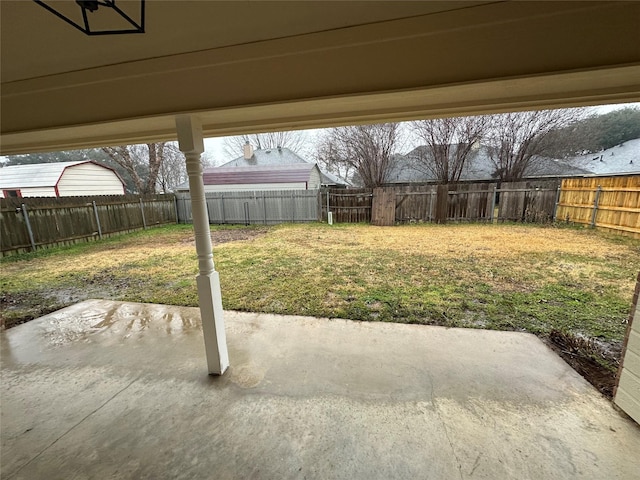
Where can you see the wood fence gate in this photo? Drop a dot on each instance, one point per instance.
(383, 213)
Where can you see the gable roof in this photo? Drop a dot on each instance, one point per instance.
(35, 175)
(279, 156)
(297, 172)
(267, 156)
(406, 168)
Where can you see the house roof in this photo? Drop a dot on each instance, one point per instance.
(34, 175)
(267, 156)
(298, 172)
(406, 168)
(279, 156)
(624, 158)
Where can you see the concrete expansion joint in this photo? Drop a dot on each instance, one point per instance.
(73, 427)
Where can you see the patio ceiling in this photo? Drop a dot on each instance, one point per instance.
(258, 66)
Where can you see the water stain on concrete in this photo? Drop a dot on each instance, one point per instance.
(248, 375)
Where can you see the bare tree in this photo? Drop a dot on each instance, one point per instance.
(293, 140)
(141, 162)
(364, 151)
(516, 139)
(326, 157)
(448, 144)
(173, 169)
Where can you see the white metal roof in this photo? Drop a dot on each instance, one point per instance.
(34, 175)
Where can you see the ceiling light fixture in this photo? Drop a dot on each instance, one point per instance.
(99, 17)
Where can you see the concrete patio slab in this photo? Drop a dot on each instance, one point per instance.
(119, 390)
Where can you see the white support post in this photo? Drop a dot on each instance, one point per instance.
(209, 296)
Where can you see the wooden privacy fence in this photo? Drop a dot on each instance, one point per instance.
(533, 202)
(611, 203)
(347, 206)
(27, 224)
(255, 207)
(515, 201)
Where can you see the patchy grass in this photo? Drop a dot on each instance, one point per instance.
(501, 277)
(507, 277)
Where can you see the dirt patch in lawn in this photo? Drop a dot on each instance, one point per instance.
(232, 235)
(17, 308)
(596, 361)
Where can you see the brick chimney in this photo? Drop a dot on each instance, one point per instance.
(247, 149)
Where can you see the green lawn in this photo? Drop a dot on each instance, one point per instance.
(507, 277)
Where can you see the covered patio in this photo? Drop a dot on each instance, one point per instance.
(117, 390)
(107, 390)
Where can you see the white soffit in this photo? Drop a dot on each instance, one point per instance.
(475, 59)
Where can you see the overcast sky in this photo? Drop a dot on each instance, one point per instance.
(214, 147)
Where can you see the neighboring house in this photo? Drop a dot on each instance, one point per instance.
(63, 179)
(296, 176)
(624, 158)
(407, 168)
(278, 156)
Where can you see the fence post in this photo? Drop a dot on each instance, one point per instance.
(442, 203)
(328, 206)
(144, 221)
(595, 206)
(493, 204)
(264, 206)
(246, 213)
(175, 207)
(293, 207)
(25, 213)
(555, 209)
(432, 205)
(95, 212)
(224, 220)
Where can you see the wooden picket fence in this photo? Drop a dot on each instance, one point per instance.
(27, 224)
(611, 203)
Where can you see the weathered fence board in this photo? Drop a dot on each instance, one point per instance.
(383, 207)
(470, 202)
(611, 203)
(415, 203)
(528, 201)
(521, 202)
(347, 206)
(255, 207)
(30, 223)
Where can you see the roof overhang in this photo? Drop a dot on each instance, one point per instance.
(456, 59)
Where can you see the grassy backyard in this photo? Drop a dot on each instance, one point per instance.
(507, 277)
(501, 277)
